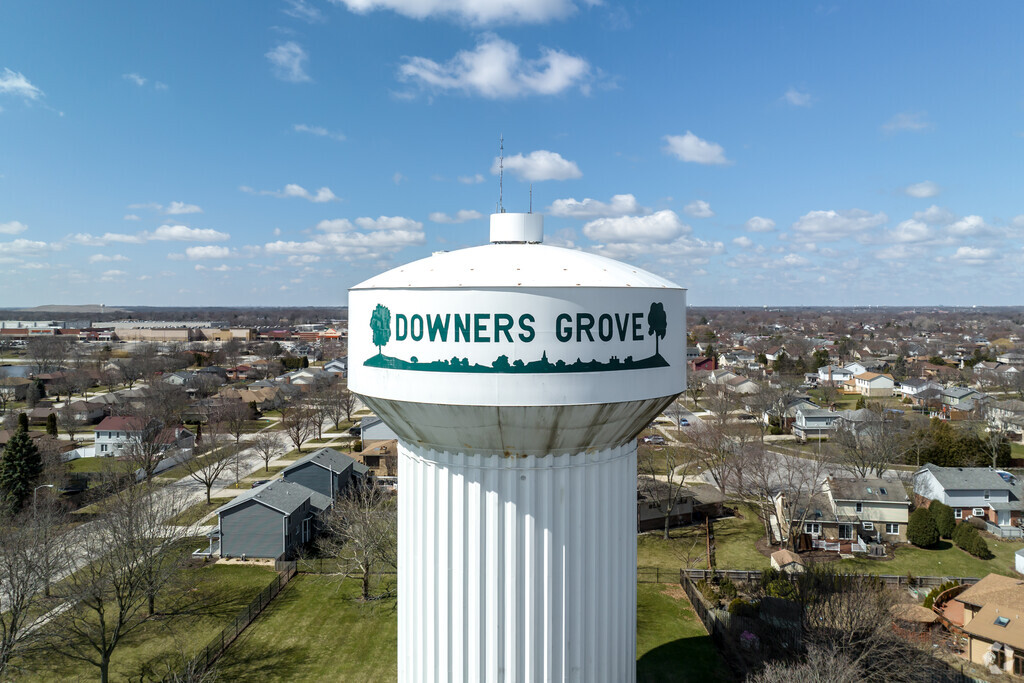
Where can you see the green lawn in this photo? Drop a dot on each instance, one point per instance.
(198, 511)
(943, 560)
(734, 544)
(222, 590)
(314, 631)
(92, 465)
(671, 643)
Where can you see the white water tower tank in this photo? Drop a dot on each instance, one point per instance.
(517, 377)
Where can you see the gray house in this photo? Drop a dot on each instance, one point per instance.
(325, 471)
(270, 521)
(373, 429)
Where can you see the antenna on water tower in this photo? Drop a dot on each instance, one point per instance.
(531, 197)
(501, 173)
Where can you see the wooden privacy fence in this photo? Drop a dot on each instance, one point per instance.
(891, 580)
(209, 654)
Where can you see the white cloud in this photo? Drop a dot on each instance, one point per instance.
(691, 148)
(795, 260)
(935, 215)
(363, 238)
(131, 217)
(539, 165)
(685, 250)
(1018, 221)
(899, 252)
(112, 275)
(135, 78)
(662, 226)
(104, 258)
(196, 253)
(907, 121)
(14, 83)
(300, 9)
(477, 12)
(460, 216)
(908, 231)
(319, 131)
(829, 226)
(324, 194)
(699, 209)
(120, 238)
(620, 205)
(288, 61)
(471, 179)
(969, 226)
(922, 190)
(975, 256)
(12, 228)
(798, 98)
(176, 208)
(397, 178)
(743, 241)
(496, 70)
(181, 233)
(759, 224)
(302, 259)
(160, 86)
(23, 246)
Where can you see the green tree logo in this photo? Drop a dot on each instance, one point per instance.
(380, 323)
(657, 324)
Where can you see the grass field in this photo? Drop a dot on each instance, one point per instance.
(144, 654)
(943, 560)
(93, 465)
(314, 631)
(734, 544)
(198, 511)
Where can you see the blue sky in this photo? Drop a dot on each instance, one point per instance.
(758, 153)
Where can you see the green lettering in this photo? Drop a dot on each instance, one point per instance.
(416, 327)
(503, 322)
(401, 327)
(604, 327)
(438, 329)
(563, 334)
(480, 327)
(584, 322)
(462, 328)
(525, 325)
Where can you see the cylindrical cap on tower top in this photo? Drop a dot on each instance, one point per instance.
(517, 227)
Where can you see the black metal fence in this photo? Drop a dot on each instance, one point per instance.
(209, 654)
(890, 580)
(656, 575)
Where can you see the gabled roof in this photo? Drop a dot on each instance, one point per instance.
(122, 423)
(283, 496)
(868, 490)
(872, 376)
(958, 392)
(967, 478)
(330, 459)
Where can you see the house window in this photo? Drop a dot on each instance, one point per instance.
(812, 528)
(1002, 621)
(958, 513)
(892, 529)
(988, 494)
(867, 526)
(845, 532)
(860, 508)
(978, 512)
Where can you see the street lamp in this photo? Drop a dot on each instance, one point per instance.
(36, 491)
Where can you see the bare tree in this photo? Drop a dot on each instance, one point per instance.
(266, 443)
(48, 354)
(29, 562)
(130, 371)
(319, 408)
(296, 423)
(235, 416)
(146, 444)
(362, 532)
(130, 561)
(662, 473)
(714, 447)
(695, 382)
(868, 447)
(67, 418)
(210, 460)
(720, 402)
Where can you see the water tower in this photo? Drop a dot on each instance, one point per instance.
(517, 377)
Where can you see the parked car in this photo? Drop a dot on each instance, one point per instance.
(260, 482)
(654, 439)
(683, 422)
(355, 430)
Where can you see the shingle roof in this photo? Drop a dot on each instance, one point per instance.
(284, 496)
(329, 458)
(967, 478)
(868, 489)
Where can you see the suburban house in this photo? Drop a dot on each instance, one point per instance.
(870, 384)
(831, 374)
(741, 385)
(957, 396)
(911, 387)
(982, 492)
(338, 366)
(325, 471)
(179, 378)
(272, 521)
(85, 412)
(305, 376)
(720, 376)
(380, 457)
(650, 511)
(14, 388)
(1006, 415)
(372, 428)
(813, 423)
(846, 511)
(116, 434)
(789, 412)
(993, 624)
